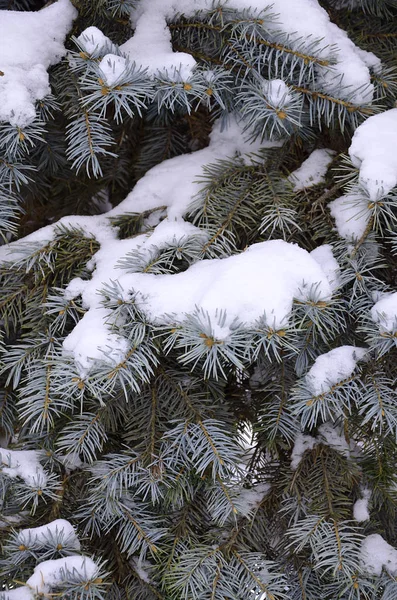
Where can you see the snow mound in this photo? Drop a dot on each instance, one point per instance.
(150, 47)
(55, 528)
(377, 554)
(29, 43)
(384, 312)
(24, 464)
(313, 170)
(360, 508)
(50, 573)
(351, 216)
(373, 151)
(333, 367)
(262, 280)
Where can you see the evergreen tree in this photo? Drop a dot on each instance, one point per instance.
(198, 206)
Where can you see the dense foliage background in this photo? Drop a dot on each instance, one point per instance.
(194, 463)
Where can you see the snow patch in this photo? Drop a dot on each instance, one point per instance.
(360, 508)
(24, 464)
(351, 214)
(29, 43)
(325, 258)
(373, 151)
(150, 46)
(377, 554)
(112, 68)
(39, 535)
(384, 312)
(93, 40)
(333, 367)
(313, 170)
(51, 573)
(301, 444)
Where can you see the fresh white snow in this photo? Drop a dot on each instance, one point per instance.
(39, 535)
(329, 433)
(373, 151)
(377, 554)
(384, 312)
(24, 464)
(29, 43)
(313, 170)
(50, 573)
(360, 507)
(351, 214)
(333, 367)
(150, 46)
(325, 258)
(285, 270)
(301, 444)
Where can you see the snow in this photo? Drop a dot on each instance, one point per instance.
(360, 508)
(301, 444)
(351, 214)
(250, 499)
(50, 573)
(150, 46)
(112, 68)
(142, 568)
(24, 464)
(329, 433)
(277, 92)
(325, 258)
(264, 278)
(384, 312)
(29, 43)
(333, 367)
(20, 593)
(58, 528)
(173, 183)
(333, 435)
(373, 151)
(377, 554)
(269, 275)
(313, 170)
(93, 40)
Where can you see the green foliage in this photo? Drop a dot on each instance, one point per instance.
(177, 458)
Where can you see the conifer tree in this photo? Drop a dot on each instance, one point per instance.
(198, 317)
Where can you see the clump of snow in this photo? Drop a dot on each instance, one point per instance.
(40, 535)
(301, 444)
(142, 568)
(332, 434)
(250, 499)
(112, 68)
(20, 593)
(377, 554)
(333, 367)
(93, 40)
(277, 92)
(51, 573)
(360, 508)
(29, 43)
(384, 312)
(325, 258)
(150, 46)
(373, 151)
(173, 183)
(263, 279)
(24, 464)
(329, 433)
(313, 170)
(351, 214)
(269, 275)
(90, 340)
